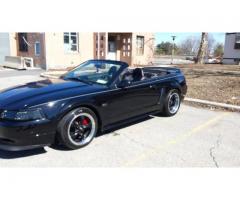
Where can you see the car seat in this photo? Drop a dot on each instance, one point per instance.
(138, 74)
(112, 71)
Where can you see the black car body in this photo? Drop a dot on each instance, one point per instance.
(30, 114)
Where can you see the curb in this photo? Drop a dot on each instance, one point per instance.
(48, 76)
(212, 103)
(53, 74)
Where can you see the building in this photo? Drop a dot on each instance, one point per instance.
(61, 50)
(232, 48)
(7, 45)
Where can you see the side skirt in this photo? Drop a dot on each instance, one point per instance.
(129, 121)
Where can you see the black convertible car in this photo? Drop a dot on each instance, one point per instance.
(95, 96)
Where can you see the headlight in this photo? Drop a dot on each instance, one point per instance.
(26, 115)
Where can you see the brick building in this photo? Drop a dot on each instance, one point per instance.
(60, 50)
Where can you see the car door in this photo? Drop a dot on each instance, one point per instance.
(136, 99)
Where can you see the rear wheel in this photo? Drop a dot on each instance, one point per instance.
(172, 103)
(78, 128)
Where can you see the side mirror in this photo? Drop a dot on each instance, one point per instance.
(124, 84)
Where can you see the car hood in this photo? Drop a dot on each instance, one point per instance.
(39, 92)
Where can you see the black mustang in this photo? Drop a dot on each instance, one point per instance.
(94, 96)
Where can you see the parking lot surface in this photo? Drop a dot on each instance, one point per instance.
(11, 77)
(168, 60)
(194, 137)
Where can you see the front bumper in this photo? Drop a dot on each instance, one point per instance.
(20, 148)
(16, 136)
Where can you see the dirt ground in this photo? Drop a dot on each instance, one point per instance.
(211, 67)
(220, 83)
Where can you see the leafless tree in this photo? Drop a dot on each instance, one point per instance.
(202, 48)
(211, 43)
(150, 45)
(189, 46)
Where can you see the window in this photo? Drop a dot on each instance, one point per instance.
(140, 45)
(22, 42)
(237, 41)
(100, 72)
(70, 42)
(37, 48)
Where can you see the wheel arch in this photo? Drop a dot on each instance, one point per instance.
(89, 106)
(174, 86)
(94, 109)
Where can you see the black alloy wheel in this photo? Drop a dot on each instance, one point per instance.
(78, 128)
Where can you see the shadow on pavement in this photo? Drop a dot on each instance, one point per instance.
(130, 122)
(59, 147)
(21, 154)
(33, 152)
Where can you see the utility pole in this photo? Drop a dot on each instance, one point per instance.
(173, 38)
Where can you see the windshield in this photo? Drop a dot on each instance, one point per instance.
(95, 71)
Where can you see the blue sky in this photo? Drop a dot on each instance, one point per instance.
(166, 36)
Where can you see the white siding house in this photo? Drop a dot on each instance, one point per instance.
(7, 46)
(4, 46)
(232, 48)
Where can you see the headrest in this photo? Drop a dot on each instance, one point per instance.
(138, 74)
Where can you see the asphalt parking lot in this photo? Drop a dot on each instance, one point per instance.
(166, 60)
(195, 137)
(11, 77)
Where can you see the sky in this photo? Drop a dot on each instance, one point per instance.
(180, 36)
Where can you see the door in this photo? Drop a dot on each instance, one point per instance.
(129, 102)
(112, 48)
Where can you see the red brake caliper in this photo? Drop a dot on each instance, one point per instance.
(85, 122)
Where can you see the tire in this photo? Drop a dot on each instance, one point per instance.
(78, 128)
(171, 108)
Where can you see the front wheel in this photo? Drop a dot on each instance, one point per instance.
(78, 128)
(172, 103)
